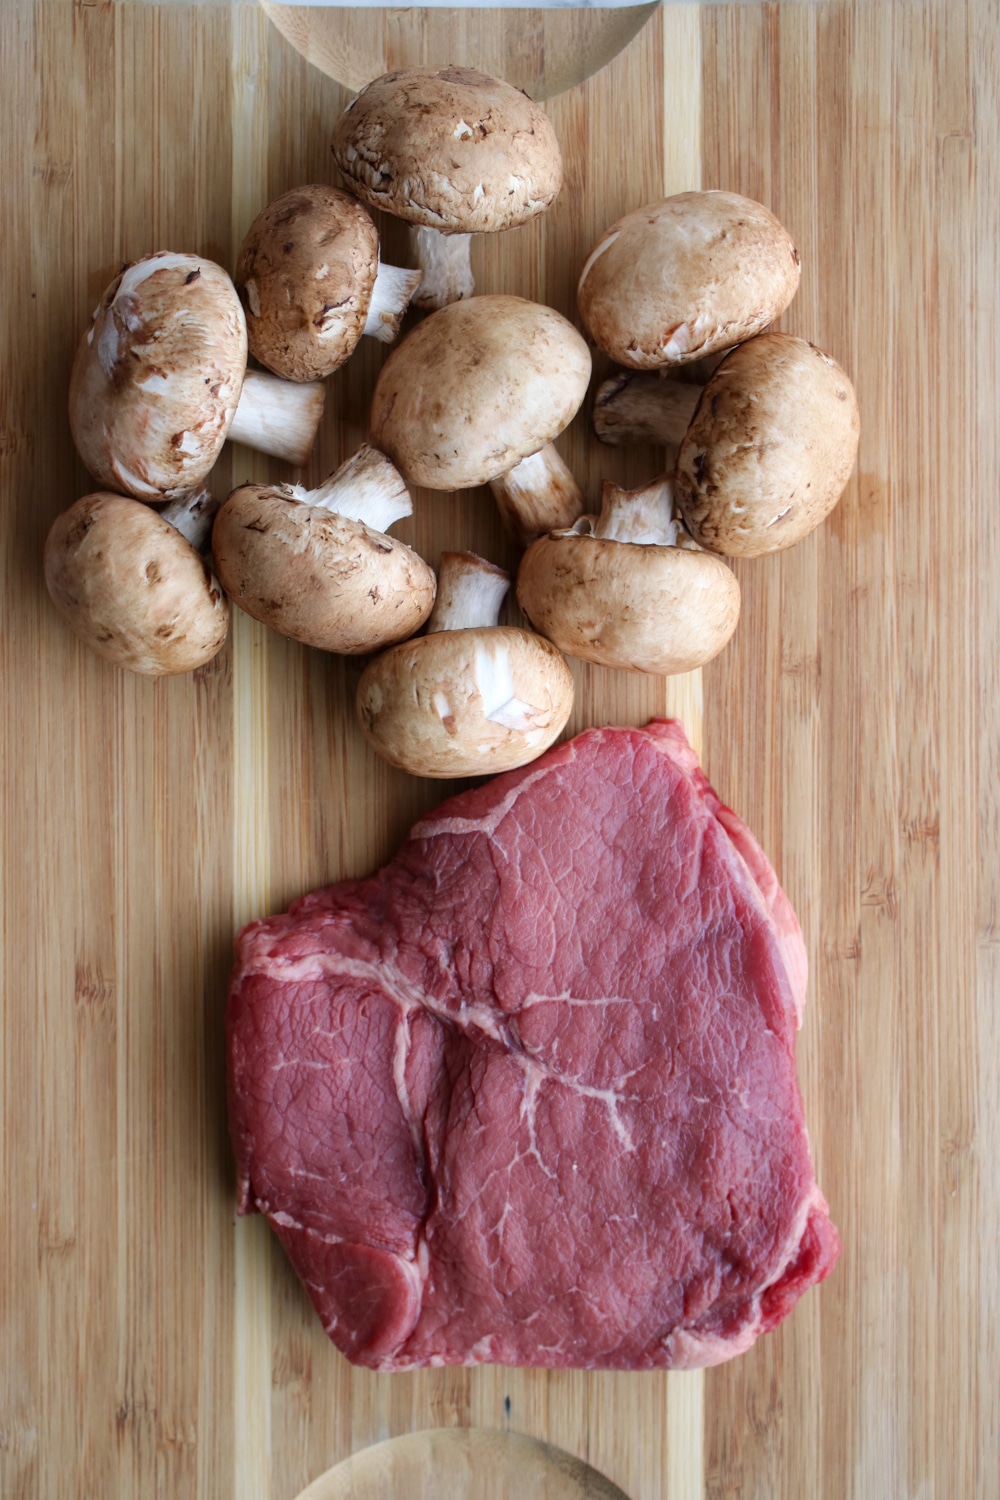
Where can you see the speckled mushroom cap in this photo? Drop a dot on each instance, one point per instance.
(158, 376)
(321, 578)
(686, 277)
(305, 275)
(449, 148)
(628, 595)
(133, 588)
(475, 388)
(769, 449)
(465, 702)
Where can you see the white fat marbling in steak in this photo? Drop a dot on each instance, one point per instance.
(528, 1094)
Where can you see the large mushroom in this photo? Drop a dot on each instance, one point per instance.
(160, 381)
(131, 583)
(764, 449)
(679, 279)
(471, 697)
(312, 284)
(475, 394)
(453, 152)
(316, 565)
(630, 589)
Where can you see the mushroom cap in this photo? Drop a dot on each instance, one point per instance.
(316, 576)
(305, 275)
(769, 449)
(450, 148)
(637, 607)
(475, 388)
(157, 377)
(133, 588)
(680, 279)
(465, 702)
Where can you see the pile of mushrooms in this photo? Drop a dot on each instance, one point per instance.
(476, 394)
(765, 448)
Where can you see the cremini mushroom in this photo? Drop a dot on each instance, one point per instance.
(317, 566)
(131, 583)
(678, 279)
(160, 381)
(630, 589)
(476, 390)
(453, 152)
(764, 450)
(470, 697)
(769, 449)
(311, 283)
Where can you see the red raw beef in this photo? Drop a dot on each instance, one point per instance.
(528, 1094)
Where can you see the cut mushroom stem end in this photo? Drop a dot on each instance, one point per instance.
(368, 488)
(469, 594)
(193, 517)
(279, 417)
(537, 495)
(644, 408)
(395, 288)
(647, 517)
(445, 265)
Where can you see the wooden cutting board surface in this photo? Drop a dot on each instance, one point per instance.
(151, 1344)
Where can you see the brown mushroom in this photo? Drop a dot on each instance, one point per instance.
(678, 279)
(630, 589)
(133, 587)
(311, 283)
(316, 565)
(769, 449)
(454, 152)
(476, 389)
(764, 449)
(159, 382)
(471, 697)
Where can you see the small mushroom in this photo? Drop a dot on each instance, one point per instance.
(311, 283)
(471, 697)
(630, 589)
(160, 381)
(132, 585)
(317, 566)
(455, 152)
(475, 390)
(679, 279)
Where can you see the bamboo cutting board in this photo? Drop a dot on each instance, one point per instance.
(152, 1345)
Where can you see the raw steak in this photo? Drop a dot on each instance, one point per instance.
(528, 1094)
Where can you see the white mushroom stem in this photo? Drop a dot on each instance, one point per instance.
(447, 269)
(644, 408)
(279, 417)
(391, 296)
(366, 488)
(538, 495)
(469, 594)
(193, 517)
(646, 517)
